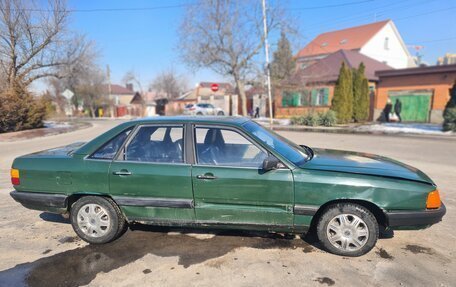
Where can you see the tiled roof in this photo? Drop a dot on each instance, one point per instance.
(348, 39)
(119, 90)
(327, 69)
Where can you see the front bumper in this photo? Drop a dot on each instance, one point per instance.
(41, 201)
(415, 218)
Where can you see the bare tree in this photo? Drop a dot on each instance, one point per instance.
(92, 89)
(169, 83)
(131, 77)
(34, 40)
(226, 36)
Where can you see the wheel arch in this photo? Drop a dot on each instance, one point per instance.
(378, 213)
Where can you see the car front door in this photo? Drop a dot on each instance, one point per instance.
(150, 178)
(230, 186)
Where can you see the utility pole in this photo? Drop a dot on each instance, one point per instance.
(268, 70)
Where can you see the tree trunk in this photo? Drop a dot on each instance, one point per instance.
(241, 90)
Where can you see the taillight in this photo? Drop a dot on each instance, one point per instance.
(15, 176)
(433, 200)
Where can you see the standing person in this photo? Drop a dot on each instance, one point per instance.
(257, 112)
(398, 109)
(387, 110)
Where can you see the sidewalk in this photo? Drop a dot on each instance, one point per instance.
(50, 128)
(391, 129)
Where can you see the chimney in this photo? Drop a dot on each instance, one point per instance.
(130, 87)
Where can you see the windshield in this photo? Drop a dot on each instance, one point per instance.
(293, 152)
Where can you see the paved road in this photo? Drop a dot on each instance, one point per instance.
(38, 249)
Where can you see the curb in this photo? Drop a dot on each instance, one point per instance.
(340, 130)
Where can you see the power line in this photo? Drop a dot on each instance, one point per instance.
(332, 6)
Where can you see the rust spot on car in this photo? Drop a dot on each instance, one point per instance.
(415, 249)
(325, 280)
(384, 254)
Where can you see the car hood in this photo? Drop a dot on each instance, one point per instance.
(364, 163)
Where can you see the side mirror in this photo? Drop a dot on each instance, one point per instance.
(270, 163)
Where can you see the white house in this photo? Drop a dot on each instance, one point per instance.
(380, 41)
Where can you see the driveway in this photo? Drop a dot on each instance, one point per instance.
(41, 249)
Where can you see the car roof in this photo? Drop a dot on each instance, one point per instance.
(230, 120)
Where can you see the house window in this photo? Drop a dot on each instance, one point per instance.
(386, 43)
(320, 97)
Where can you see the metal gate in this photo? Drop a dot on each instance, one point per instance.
(416, 105)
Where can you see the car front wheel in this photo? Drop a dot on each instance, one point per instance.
(347, 229)
(97, 219)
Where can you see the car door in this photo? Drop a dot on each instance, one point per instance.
(150, 178)
(229, 185)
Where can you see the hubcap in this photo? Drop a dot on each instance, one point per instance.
(93, 220)
(347, 232)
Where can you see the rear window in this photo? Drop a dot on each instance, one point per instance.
(110, 149)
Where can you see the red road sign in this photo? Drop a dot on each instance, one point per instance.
(214, 87)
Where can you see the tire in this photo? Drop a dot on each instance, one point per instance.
(199, 113)
(220, 113)
(97, 220)
(338, 234)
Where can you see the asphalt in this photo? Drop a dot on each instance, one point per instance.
(41, 249)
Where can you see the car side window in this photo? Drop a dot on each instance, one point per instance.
(224, 147)
(156, 144)
(110, 149)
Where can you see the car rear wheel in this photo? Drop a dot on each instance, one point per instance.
(97, 219)
(347, 229)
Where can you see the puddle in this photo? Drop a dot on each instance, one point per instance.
(384, 254)
(325, 280)
(86, 262)
(415, 249)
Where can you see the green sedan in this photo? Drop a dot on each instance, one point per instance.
(224, 172)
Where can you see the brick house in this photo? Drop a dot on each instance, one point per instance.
(312, 88)
(423, 91)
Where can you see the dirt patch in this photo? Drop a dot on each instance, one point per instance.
(147, 271)
(325, 280)
(384, 254)
(416, 249)
(69, 239)
(47, 251)
(86, 262)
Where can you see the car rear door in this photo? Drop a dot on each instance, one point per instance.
(231, 188)
(150, 179)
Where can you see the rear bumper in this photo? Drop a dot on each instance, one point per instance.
(41, 201)
(415, 218)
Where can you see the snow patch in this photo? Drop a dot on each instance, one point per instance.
(429, 129)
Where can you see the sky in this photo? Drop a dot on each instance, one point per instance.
(142, 35)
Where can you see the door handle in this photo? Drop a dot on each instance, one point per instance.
(206, 176)
(122, 172)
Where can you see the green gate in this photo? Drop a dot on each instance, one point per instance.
(415, 105)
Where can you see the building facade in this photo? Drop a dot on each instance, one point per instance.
(380, 41)
(423, 91)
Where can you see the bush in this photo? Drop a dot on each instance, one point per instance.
(328, 119)
(20, 111)
(449, 114)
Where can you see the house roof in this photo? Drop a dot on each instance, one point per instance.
(118, 90)
(327, 69)
(353, 38)
(417, 71)
(225, 86)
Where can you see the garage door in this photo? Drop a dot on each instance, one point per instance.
(415, 105)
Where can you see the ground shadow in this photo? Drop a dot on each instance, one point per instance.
(53, 217)
(81, 265)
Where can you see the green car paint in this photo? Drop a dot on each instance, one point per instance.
(284, 199)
